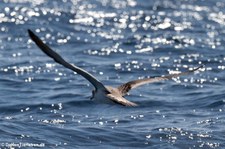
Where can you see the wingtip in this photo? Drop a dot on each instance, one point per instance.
(201, 66)
(30, 33)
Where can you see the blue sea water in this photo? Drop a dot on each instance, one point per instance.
(44, 105)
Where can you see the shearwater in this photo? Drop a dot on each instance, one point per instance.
(102, 93)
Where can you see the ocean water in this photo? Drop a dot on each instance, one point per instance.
(44, 105)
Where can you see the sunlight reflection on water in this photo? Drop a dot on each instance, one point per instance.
(116, 41)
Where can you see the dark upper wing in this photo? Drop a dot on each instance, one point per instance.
(47, 50)
(133, 84)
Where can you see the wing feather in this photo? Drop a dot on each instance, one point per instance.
(57, 58)
(124, 88)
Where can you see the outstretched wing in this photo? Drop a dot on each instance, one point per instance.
(120, 100)
(48, 51)
(123, 89)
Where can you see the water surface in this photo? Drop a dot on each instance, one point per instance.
(45, 105)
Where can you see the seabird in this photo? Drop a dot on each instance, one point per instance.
(102, 93)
